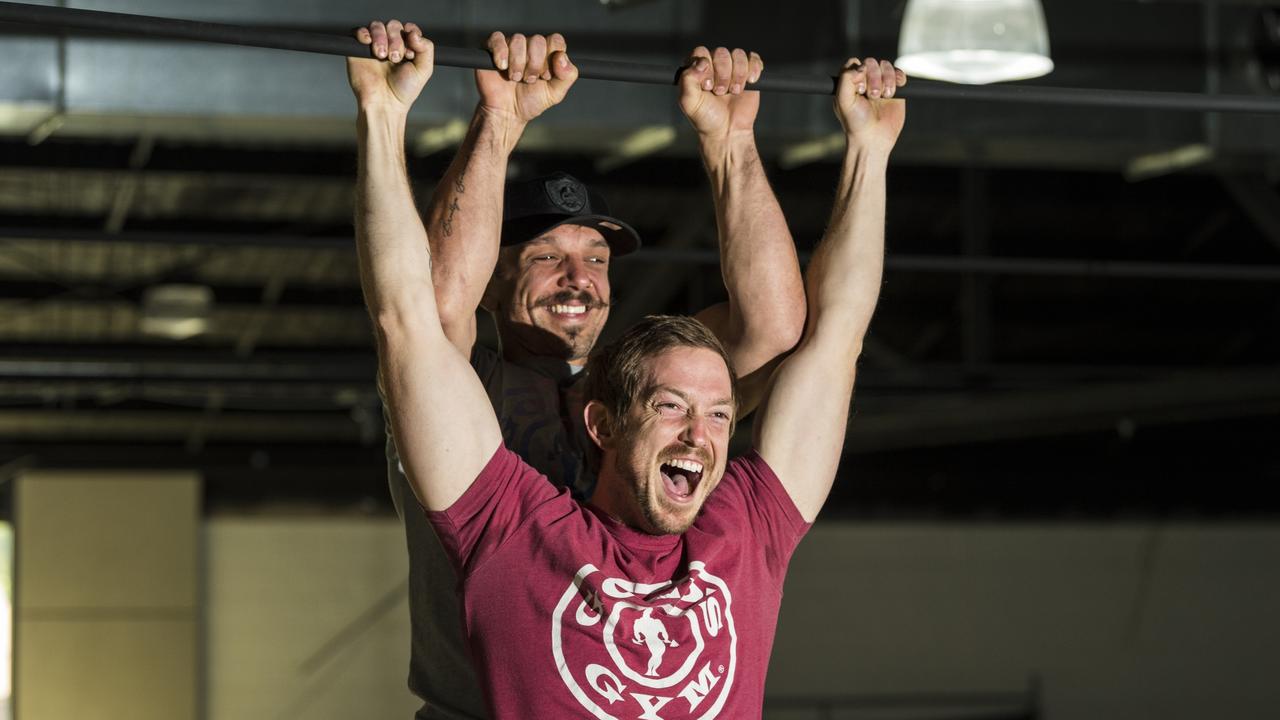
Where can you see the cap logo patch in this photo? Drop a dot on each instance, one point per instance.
(567, 194)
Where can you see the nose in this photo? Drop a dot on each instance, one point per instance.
(575, 273)
(695, 432)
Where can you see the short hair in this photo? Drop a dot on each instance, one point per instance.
(617, 373)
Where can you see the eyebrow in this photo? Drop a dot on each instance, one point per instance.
(667, 388)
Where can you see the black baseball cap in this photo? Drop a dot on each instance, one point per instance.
(532, 207)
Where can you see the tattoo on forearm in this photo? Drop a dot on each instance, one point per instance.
(459, 187)
(448, 220)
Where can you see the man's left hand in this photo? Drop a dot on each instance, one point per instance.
(864, 103)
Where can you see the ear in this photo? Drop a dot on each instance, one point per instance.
(599, 424)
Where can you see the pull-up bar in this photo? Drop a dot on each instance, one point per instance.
(57, 20)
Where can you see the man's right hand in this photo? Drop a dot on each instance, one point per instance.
(713, 92)
(534, 73)
(389, 81)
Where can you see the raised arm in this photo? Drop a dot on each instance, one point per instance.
(801, 427)
(443, 423)
(465, 217)
(766, 309)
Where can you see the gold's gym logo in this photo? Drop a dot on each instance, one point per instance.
(642, 651)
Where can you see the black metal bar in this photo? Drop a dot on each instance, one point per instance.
(59, 19)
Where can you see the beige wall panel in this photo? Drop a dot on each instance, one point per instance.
(107, 539)
(307, 618)
(107, 670)
(1120, 622)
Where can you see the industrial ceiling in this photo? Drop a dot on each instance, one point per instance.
(1080, 314)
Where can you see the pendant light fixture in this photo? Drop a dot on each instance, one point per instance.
(974, 41)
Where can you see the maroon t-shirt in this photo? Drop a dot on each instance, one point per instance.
(569, 613)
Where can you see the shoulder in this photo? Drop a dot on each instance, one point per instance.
(750, 485)
(749, 468)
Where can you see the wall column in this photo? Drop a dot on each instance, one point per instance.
(107, 595)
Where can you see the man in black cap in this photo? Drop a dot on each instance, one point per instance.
(538, 260)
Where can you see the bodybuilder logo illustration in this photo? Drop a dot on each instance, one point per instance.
(637, 651)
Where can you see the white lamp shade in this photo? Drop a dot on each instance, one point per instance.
(974, 41)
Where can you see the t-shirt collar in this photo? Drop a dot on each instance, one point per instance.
(630, 536)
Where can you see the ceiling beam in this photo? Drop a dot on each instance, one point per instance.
(965, 418)
(178, 426)
(275, 295)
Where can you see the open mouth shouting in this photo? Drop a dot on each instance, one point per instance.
(680, 477)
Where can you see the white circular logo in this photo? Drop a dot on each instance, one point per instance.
(646, 651)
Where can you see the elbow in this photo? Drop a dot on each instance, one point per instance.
(791, 328)
(780, 331)
(454, 308)
(402, 321)
(790, 316)
(835, 338)
(390, 326)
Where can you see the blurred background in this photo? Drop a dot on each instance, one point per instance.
(1055, 500)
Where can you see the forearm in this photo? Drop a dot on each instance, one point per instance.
(465, 218)
(758, 257)
(395, 263)
(844, 276)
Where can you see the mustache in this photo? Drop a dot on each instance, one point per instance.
(673, 453)
(567, 296)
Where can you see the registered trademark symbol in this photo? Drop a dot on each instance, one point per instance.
(720, 669)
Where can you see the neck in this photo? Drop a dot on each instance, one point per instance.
(613, 497)
(606, 497)
(518, 352)
(550, 365)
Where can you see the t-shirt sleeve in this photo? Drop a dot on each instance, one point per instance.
(770, 514)
(501, 501)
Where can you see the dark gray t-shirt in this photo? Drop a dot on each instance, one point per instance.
(539, 406)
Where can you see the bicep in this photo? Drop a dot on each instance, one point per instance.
(800, 427)
(443, 424)
(753, 360)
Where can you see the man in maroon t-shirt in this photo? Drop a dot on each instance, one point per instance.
(565, 605)
(537, 258)
(659, 598)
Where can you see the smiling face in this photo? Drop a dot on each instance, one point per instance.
(668, 451)
(550, 295)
